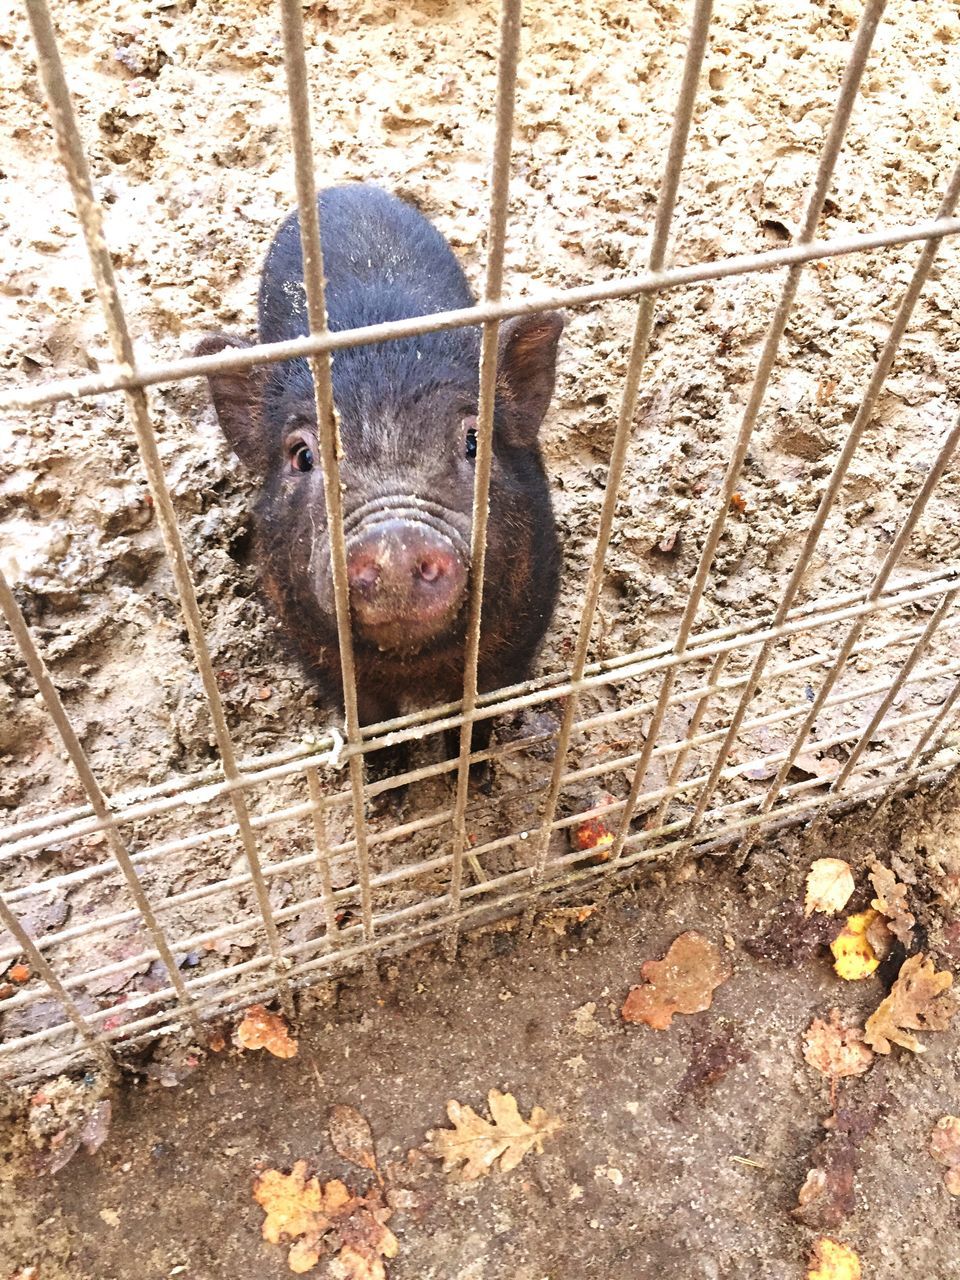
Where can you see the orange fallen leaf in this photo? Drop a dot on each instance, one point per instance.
(829, 886)
(19, 973)
(682, 982)
(919, 1000)
(292, 1201)
(739, 503)
(323, 1219)
(261, 1029)
(945, 1149)
(478, 1144)
(831, 1260)
(854, 957)
(836, 1050)
(891, 901)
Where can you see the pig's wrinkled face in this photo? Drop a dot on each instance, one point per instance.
(408, 431)
(407, 477)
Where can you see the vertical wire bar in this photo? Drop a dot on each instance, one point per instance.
(683, 115)
(846, 100)
(328, 426)
(98, 1047)
(322, 845)
(89, 214)
(98, 801)
(510, 26)
(719, 662)
(860, 425)
(853, 635)
(913, 657)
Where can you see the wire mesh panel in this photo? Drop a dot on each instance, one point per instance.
(255, 875)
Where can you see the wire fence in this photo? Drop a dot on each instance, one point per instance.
(692, 789)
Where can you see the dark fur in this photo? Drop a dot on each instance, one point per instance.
(401, 406)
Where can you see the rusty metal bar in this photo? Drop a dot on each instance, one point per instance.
(859, 427)
(98, 801)
(643, 327)
(903, 675)
(328, 428)
(585, 295)
(843, 110)
(510, 23)
(72, 157)
(893, 555)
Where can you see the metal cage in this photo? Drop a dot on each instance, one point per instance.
(718, 804)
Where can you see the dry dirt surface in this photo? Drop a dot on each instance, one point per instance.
(681, 1151)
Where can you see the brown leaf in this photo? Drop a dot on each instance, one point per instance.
(836, 1050)
(945, 1149)
(352, 1137)
(325, 1219)
(891, 901)
(918, 1001)
(478, 1143)
(682, 982)
(828, 1193)
(261, 1029)
(829, 886)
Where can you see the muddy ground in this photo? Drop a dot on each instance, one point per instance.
(657, 1170)
(182, 111)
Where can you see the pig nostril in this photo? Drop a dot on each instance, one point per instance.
(430, 570)
(365, 575)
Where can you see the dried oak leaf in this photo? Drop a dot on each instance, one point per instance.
(945, 1149)
(918, 1001)
(854, 957)
(682, 982)
(831, 1260)
(478, 1143)
(352, 1137)
(261, 1029)
(891, 901)
(836, 1050)
(829, 886)
(322, 1219)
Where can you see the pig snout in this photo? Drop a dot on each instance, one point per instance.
(407, 582)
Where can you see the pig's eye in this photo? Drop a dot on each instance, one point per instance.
(470, 437)
(301, 456)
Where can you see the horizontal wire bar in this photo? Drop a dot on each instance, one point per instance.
(407, 937)
(191, 942)
(186, 844)
(638, 665)
(617, 288)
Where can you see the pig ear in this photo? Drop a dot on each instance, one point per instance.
(238, 400)
(526, 368)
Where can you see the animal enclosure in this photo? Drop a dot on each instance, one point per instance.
(743, 642)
